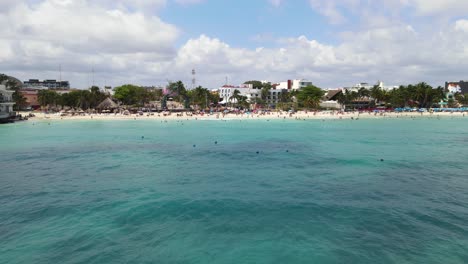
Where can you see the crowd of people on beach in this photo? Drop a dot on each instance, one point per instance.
(245, 114)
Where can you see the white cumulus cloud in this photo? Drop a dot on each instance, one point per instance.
(80, 35)
(435, 7)
(125, 44)
(275, 3)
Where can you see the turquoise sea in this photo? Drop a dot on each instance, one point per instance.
(343, 191)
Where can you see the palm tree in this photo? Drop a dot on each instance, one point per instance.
(452, 103)
(353, 95)
(235, 95)
(461, 99)
(242, 101)
(311, 102)
(342, 98)
(376, 93)
(178, 89)
(285, 100)
(43, 97)
(310, 96)
(18, 98)
(200, 96)
(265, 92)
(95, 96)
(419, 94)
(362, 93)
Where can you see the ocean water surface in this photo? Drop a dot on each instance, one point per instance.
(343, 191)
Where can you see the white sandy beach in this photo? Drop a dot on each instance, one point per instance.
(231, 116)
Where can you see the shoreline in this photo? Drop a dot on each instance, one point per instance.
(268, 116)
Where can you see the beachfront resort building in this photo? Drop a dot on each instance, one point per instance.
(275, 96)
(368, 86)
(456, 87)
(32, 98)
(46, 84)
(227, 91)
(292, 84)
(6, 103)
(253, 95)
(330, 100)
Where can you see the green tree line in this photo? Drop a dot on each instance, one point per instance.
(421, 95)
(134, 95)
(308, 97)
(84, 99)
(202, 97)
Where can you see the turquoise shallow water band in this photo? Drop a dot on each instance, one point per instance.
(340, 191)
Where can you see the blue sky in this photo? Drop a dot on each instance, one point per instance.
(248, 24)
(332, 43)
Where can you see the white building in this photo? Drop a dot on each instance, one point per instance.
(275, 96)
(368, 86)
(227, 91)
(293, 84)
(108, 90)
(6, 102)
(247, 90)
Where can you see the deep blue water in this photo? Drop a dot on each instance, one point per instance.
(316, 192)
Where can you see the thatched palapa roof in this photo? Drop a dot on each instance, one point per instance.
(332, 94)
(107, 104)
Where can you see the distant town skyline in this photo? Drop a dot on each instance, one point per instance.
(150, 42)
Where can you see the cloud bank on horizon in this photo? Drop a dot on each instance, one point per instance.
(148, 42)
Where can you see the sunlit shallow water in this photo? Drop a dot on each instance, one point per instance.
(365, 191)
